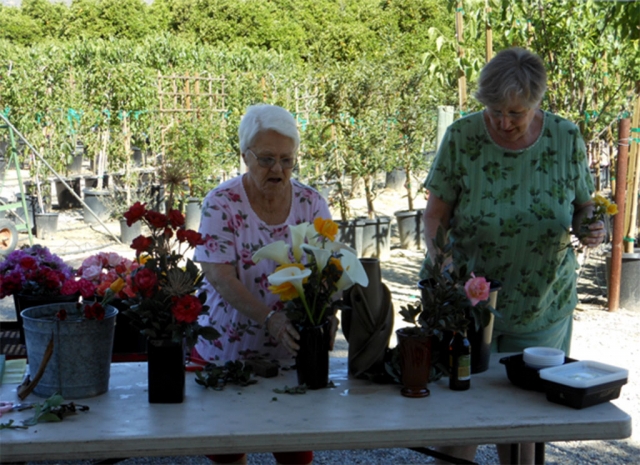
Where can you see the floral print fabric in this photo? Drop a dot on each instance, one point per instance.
(236, 232)
(512, 213)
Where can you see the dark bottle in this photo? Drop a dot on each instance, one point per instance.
(459, 362)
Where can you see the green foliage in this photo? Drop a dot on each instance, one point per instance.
(444, 303)
(232, 372)
(17, 27)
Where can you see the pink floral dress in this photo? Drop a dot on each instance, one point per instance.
(236, 233)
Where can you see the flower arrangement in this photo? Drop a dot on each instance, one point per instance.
(452, 297)
(312, 271)
(35, 271)
(165, 283)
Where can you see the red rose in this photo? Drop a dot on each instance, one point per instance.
(192, 237)
(135, 213)
(28, 263)
(87, 288)
(176, 218)
(186, 308)
(156, 219)
(95, 310)
(168, 233)
(52, 279)
(141, 244)
(61, 315)
(70, 287)
(145, 282)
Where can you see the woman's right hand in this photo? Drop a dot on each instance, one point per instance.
(281, 329)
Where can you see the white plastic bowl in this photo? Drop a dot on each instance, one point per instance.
(542, 357)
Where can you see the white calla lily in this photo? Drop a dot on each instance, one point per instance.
(298, 233)
(339, 247)
(312, 235)
(322, 256)
(277, 251)
(353, 271)
(291, 274)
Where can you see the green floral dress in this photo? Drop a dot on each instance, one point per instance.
(512, 213)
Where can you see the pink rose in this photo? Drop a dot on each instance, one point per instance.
(477, 289)
(113, 259)
(92, 272)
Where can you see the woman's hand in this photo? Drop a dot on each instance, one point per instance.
(283, 332)
(595, 235)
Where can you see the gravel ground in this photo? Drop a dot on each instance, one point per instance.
(609, 337)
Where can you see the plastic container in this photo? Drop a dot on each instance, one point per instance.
(583, 384)
(524, 376)
(543, 357)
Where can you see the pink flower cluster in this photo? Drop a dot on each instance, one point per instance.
(104, 268)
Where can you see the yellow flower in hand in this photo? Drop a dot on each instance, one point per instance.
(612, 209)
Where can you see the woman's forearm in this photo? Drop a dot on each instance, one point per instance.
(232, 290)
(437, 215)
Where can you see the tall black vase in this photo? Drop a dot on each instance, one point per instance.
(312, 360)
(166, 372)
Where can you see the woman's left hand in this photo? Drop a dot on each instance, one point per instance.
(595, 236)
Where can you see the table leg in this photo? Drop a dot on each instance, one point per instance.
(539, 453)
(515, 453)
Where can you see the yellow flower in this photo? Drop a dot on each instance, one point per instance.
(143, 258)
(117, 285)
(612, 209)
(287, 282)
(326, 228)
(600, 200)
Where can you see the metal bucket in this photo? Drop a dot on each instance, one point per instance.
(81, 362)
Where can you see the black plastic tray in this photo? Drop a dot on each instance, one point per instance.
(524, 376)
(582, 397)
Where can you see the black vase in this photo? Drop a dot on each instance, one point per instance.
(166, 373)
(312, 360)
(22, 301)
(128, 343)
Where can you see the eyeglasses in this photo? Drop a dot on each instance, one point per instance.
(513, 115)
(269, 162)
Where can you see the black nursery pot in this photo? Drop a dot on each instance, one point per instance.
(312, 360)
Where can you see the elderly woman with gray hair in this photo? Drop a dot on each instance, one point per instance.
(509, 183)
(240, 216)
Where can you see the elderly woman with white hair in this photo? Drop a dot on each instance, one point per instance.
(240, 216)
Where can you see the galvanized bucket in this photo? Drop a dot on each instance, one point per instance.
(81, 361)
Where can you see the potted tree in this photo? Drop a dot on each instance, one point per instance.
(411, 129)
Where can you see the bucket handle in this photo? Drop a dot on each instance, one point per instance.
(28, 384)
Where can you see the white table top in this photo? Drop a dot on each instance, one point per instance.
(355, 414)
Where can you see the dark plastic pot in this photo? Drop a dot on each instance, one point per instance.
(66, 199)
(396, 179)
(129, 233)
(376, 238)
(411, 229)
(46, 225)
(629, 279)
(193, 210)
(98, 202)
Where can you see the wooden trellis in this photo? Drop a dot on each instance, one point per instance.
(191, 94)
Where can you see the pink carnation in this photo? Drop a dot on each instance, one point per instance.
(477, 289)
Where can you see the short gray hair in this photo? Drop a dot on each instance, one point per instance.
(265, 117)
(514, 74)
